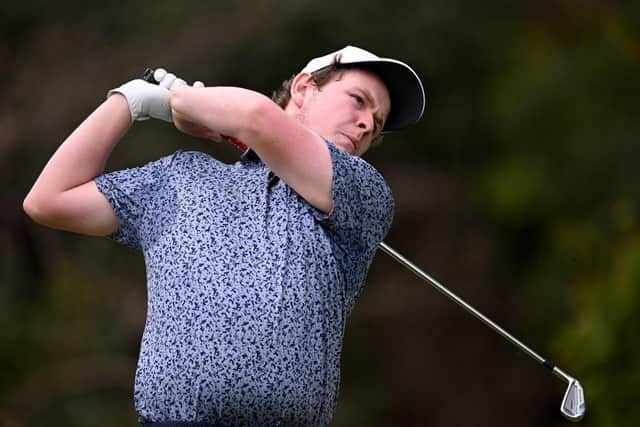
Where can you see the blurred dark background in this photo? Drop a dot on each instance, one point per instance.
(519, 190)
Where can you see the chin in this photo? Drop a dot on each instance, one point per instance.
(344, 146)
(350, 149)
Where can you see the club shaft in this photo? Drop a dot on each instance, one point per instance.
(434, 283)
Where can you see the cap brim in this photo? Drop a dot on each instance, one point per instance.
(408, 99)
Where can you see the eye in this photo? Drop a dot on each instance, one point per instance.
(358, 99)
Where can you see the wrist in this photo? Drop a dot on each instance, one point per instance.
(119, 102)
(144, 100)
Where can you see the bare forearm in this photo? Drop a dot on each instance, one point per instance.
(83, 155)
(225, 110)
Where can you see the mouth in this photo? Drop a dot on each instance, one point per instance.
(353, 142)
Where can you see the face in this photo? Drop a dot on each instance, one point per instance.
(350, 110)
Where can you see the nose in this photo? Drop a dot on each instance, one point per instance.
(365, 122)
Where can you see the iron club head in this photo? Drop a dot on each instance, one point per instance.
(573, 406)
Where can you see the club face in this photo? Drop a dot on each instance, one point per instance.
(573, 406)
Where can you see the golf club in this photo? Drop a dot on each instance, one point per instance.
(573, 405)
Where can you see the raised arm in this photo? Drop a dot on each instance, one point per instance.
(64, 196)
(291, 150)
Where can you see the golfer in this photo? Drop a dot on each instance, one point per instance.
(252, 267)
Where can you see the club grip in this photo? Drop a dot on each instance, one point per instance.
(148, 77)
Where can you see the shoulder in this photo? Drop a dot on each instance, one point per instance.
(183, 157)
(355, 170)
(197, 162)
(361, 196)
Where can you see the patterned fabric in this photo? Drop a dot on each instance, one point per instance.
(249, 287)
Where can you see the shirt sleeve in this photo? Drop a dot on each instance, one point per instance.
(361, 215)
(131, 193)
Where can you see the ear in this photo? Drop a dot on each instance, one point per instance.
(300, 87)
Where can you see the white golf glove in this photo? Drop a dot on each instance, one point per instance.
(151, 100)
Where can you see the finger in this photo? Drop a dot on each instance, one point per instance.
(177, 83)
(159, 74)
(215, 136)
(198, 84)
(167, 81)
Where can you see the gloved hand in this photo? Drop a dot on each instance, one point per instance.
(170, 81)
(149, 100)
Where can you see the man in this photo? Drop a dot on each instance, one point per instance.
(252, 268)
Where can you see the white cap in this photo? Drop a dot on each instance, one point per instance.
(405, 88)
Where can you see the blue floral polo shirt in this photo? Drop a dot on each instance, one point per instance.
(249, 286)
